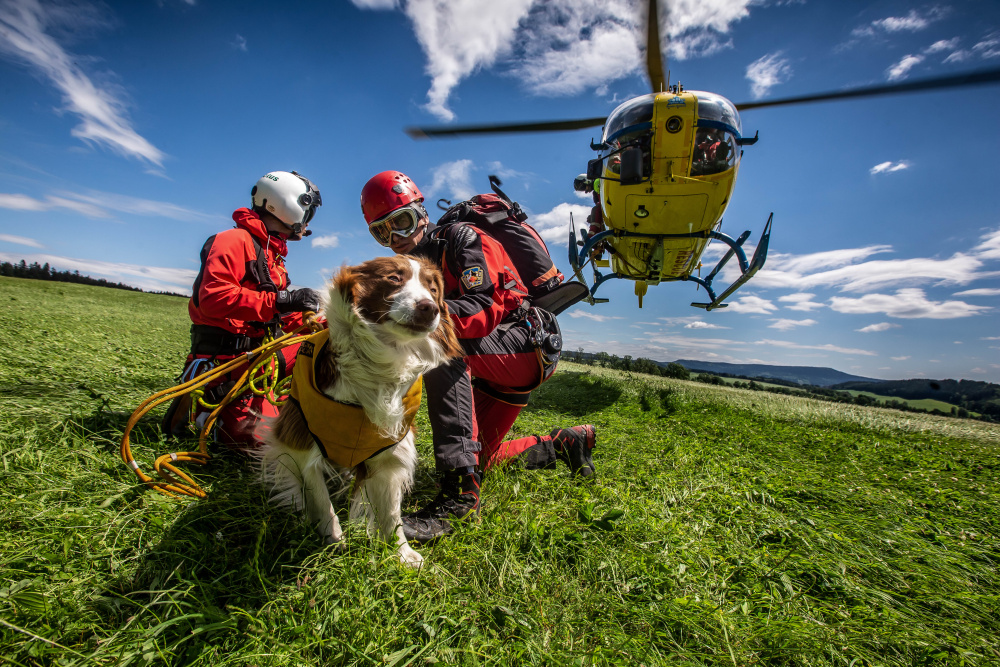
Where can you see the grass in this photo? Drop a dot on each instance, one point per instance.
(726, 527)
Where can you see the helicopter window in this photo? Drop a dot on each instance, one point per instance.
(637, 112)
(715, 151)
(717, 108)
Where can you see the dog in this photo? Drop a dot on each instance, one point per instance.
(387, 325)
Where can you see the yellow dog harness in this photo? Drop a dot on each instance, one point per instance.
(343, 431)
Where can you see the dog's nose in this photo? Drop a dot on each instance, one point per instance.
(424, 312)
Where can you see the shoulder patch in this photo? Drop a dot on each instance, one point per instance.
(307, 349)
(472, 277)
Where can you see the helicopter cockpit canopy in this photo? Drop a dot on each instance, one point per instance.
(629, 121)
(717, 140)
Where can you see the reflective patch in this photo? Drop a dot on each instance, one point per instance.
(472, 277)
(306, 349)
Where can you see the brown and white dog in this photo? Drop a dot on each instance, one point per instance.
(387, 325)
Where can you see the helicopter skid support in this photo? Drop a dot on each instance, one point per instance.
(747, 269)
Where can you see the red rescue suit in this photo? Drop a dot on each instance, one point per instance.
(470, 419)
(232, 308)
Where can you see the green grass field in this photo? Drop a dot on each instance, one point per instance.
(726, 527)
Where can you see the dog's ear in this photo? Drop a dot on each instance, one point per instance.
(445, 334)
(346, 282)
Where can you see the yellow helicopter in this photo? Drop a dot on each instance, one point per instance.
(665, 172)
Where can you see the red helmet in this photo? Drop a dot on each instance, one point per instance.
(385, 192)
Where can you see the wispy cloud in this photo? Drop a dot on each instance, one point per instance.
(800, 301)
(453, 180)
(982, 291)
(751, 305)
(782, 324)
(828, 347)
(903, 358)
(554, 47)
(149, 278)
(889, 167)
(914, 21)
(20, 240)
(593, 316)
(103, 205)
(24, 37)
(328, 241)
(881, 326)
(239, 43)
(989, 248)
(700, 324)
(905, 304)
(902, 68)
(766, 73)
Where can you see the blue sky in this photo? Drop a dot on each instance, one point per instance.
(129, 131)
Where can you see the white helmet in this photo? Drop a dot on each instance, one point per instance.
(289, 197)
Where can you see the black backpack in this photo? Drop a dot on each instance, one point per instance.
(500, 218)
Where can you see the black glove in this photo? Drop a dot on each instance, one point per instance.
(297, 301)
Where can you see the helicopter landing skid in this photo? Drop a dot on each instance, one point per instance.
(747, 269)
(579, 258)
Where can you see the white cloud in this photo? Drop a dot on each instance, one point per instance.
(149, 278)
(554, 47)
(101, 205)
(800, 301)
(593, 316)
(903, 67)
(906, 304)
(20, 240)
(912, 22)
(767, 72)
(904, 358)
(328, 241)
(239, 43)
(751, 304)
(828, 347)
(453, 180)
(982, 291)
(989, 46)
(24, 37)
(553, 226)
(943, 45)
(881, 326)
(889, 167)
(699, 324)
(990, 247)
(783, 324)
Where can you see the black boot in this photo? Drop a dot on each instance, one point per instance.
(458, 500)
(575, 446)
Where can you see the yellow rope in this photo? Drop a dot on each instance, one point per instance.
(173, 481)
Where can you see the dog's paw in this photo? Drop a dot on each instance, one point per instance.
(409, 557)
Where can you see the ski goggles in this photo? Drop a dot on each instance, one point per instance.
(401, 222)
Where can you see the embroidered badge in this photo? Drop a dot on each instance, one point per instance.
(306, 349)
(472, 277)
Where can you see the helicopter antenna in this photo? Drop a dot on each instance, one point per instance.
(654, 53)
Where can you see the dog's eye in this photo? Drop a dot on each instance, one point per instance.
(394, 279)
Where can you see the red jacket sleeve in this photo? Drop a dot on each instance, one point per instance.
(488, 286)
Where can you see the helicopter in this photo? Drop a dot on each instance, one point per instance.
(664, 175)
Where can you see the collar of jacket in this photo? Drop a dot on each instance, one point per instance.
(343, 431)
(251, 222)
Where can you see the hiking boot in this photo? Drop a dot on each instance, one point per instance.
(458, 500)
(575, 446)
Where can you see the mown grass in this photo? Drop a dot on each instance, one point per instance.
(726, 527)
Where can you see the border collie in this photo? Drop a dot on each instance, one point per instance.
(356, 387)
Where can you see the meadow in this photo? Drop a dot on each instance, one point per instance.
(725, 527)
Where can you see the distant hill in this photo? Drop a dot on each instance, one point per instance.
(982, 397)
(811, 375)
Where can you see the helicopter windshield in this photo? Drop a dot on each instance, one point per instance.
(635, 117)
(717, 108)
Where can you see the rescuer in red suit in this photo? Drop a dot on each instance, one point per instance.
(473, 401)
(241, 296)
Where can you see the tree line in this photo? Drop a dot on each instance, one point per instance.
(36, 271)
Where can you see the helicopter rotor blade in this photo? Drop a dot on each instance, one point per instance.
(654, 51)
(503, 128)
(981, 77)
